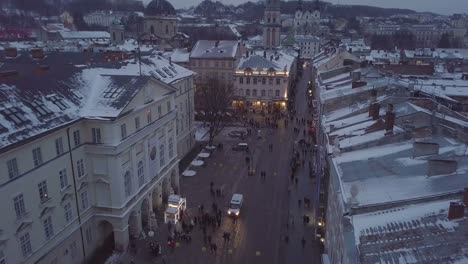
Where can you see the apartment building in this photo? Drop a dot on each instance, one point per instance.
(262, 79)
(88, 151)
(215, 59)
(309, 45)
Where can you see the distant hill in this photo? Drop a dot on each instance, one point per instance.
(254, 10)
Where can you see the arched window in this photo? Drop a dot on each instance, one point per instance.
(162, 155)
(141, 174)
(167, 29)
(263, 92)
(113, 36)
(152, 29)
(127, 184)
(171, 147)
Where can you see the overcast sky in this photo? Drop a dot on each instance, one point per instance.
(437, 6)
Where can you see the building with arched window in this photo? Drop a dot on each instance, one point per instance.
(160, 19)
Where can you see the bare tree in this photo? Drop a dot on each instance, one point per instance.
(214, 100)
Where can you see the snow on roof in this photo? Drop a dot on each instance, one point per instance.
(84, 34)
(418, 233)
(178, 55)
(66, 86)
(388, 173)
(234, 30)
(278, 60)
(215, 49)
(306, 38)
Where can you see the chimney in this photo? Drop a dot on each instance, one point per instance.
(456, 210)
(438, 167)
(37, 53)
(264, 54)
(170, 60)
(421, 149)
(374, 111)
(389, 118)
(373, 96)
(465, 196)
(11, 52)
(216, 43)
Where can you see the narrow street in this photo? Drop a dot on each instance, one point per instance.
(268, 215)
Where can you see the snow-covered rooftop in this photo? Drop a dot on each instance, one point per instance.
(418, 233)
(215, 49)
(84, 34)
(38, 95)
(281, 60)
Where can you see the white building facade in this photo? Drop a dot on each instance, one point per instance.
(309, 45)
(262, 79)
(89, 168)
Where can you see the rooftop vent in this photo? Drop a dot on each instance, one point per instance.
(456, 210)
(441, 167)
(11, 52)
(425, 149)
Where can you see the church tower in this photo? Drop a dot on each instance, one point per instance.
(272, 24)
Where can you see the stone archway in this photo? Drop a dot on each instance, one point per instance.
(157, 199)
(105, 244)
(134, 224)
(165, 190)
(175, 182)
(145, 214)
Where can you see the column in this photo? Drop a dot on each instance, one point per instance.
(121, 239)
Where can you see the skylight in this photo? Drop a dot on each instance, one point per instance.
(15, 115)
(40, 108)
(59, 102)
(112, 92)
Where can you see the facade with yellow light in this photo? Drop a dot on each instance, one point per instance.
(262, 79)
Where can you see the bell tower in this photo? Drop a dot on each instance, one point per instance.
(271, 24)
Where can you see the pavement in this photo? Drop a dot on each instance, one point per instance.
(268, 212)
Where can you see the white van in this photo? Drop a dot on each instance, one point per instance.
(235, 205)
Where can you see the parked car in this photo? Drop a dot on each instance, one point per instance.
(240, 147)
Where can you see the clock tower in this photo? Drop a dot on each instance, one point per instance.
(272, 24)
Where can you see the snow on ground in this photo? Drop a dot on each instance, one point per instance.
(201, 133)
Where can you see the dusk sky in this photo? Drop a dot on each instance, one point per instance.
(437, 6)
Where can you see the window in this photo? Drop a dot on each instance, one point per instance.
(270, 81)
(168, 104)
(59, 146)
(25, 243)
(13, 171)
(137, 123)
(63, 179)
(84, 200)
(216, 64)
(241, 80)
(96, 135)
(43, 195)
(277, 93)
(141, 174)
(89, 234)
(263, 80)
(37, 156)
(68, 212)
(76, 138)
(171, 147)
(167, 29)
(254, 92)
(263, 93)
(123, 131)
(270, 93)
(127, 184)
(148, 117)
(159, 111)
(48, 228)
(80, 167)
(16, 115)
(278, 81)
(254, 80)
(248, 80)
(20, 208)
(241, 92)
(161, 155)
(247, 92)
